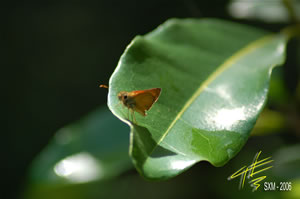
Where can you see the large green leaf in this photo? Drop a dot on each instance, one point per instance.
(214, 77)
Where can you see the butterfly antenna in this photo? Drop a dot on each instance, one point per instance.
(101, 85)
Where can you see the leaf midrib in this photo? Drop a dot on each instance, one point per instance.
(226, 64)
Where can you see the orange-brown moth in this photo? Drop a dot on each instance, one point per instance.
(139, 100)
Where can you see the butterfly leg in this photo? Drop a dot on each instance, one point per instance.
(134, 120)
(128, 116)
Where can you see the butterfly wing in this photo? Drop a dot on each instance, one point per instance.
(144, 99)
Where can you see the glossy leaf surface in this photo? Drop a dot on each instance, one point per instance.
(214, 77)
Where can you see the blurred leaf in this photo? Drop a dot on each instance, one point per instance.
(92, 149)
(295, 193)
(297, 62)
(287, 161)
(214, 77)
(271, 11)
(278, 94)
(269, 122)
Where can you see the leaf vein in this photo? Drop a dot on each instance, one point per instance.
(226, 64)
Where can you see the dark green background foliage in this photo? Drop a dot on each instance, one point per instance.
(52, 56)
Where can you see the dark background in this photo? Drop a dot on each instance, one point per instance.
(53, 53)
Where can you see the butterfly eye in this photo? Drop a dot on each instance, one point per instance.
(125, 96)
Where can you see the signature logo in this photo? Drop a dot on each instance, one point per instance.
(251, 171)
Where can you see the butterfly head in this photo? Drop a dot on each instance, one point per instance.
(126, 99)
(123, 96)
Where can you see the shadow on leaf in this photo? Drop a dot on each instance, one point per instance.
(144, 146)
